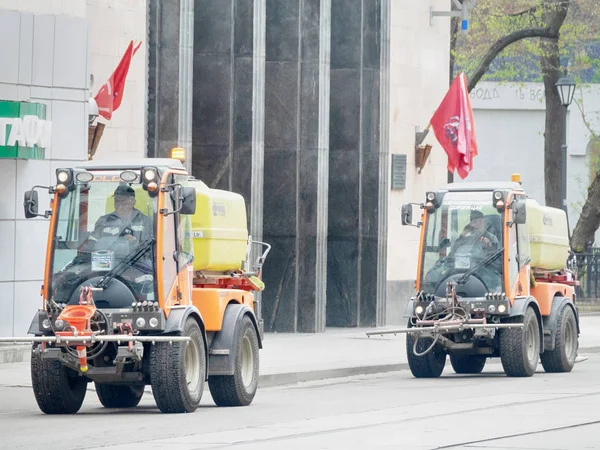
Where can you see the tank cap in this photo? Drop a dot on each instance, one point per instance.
(516, 177)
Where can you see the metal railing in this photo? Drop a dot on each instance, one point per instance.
(588, 273)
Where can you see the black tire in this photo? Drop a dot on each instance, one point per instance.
(57, 389)
(114, 396)
(562, 358)
(240, 388)
(468, 364)
(430, 365)
(520, 347)
(172, 365)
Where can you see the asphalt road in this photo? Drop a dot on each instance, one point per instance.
(393, 410)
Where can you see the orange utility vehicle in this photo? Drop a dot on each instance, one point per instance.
(492, 281)
(147, 282)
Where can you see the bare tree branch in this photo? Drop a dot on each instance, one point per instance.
(501, 44)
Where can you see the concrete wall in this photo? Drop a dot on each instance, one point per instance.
(46, 62)
(113, 24)
(419, 79)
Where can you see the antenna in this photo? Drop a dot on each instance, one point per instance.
(462, 11)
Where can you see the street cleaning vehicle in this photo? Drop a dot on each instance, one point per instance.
(492, 281)
(148, 281)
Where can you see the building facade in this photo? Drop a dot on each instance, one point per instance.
(298, 105)
(308, 108)
(44, 74)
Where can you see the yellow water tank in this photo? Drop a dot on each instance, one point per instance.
(219, 229)
(548, 236)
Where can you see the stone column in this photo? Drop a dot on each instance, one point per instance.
(296, 163)
(163, 77)
(354, 184)
(170, 77)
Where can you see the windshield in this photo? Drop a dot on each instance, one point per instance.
(104, 230)
(463, 236)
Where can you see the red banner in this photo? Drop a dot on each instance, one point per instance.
(110, 94)
(454, 127)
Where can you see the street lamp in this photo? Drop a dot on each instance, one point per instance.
(566, 90)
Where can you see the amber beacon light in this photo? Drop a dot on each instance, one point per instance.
(178, 153)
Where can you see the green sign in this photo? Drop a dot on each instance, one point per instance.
(24, 131)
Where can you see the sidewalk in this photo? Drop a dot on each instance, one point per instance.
(288, 358)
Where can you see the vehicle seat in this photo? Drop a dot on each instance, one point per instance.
(493, 224)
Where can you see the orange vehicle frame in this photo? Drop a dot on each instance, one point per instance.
(543, 292)
(211, 302)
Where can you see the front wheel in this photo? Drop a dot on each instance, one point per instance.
(562, 358)
(430, 365)
(240, 388)
(57, 389)
(520, 347)
(177, 371)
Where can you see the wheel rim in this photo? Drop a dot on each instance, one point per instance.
(192, 365)
(247, 362)
(569, 341)
(532, 350)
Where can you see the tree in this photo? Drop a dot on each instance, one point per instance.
(524, 40)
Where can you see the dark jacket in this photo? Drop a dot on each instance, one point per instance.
(111, 225)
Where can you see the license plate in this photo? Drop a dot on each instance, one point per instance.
(462, 262)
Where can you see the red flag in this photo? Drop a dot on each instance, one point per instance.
(454, 127)
(110, 94)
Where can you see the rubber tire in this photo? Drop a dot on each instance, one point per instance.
(429, 366)
(115, 396)
(168, 372)
(468, 364)
(57, 389)
(557, 360)
(229, 390)
(513, 346)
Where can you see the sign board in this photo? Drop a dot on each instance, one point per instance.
(398, 172)
(24, 131)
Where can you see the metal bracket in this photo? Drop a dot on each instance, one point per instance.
(462, 11)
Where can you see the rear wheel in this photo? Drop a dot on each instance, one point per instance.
(112, 396)
(468, 364)
(177, 371)
(562, 358)
(520, 347)
(430, 365)
(57, 389)
(240, 388)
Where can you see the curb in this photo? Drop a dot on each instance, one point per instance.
(14, 353)
(283, 379)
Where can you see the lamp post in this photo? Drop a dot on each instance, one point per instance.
(566, 89)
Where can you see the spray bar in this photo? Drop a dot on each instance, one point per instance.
(91, 339)
(442, 328)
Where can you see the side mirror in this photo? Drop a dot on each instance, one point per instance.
(519, 213)
(30, 204)
(188, 196)
(407, 214)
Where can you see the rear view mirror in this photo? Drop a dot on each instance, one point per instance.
(188, 195)
(407, 214)
(519, 212)
(30, 204)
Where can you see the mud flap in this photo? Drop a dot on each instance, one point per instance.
(222, 351)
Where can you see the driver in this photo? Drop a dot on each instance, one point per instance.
(475, 230)
(125, 221)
